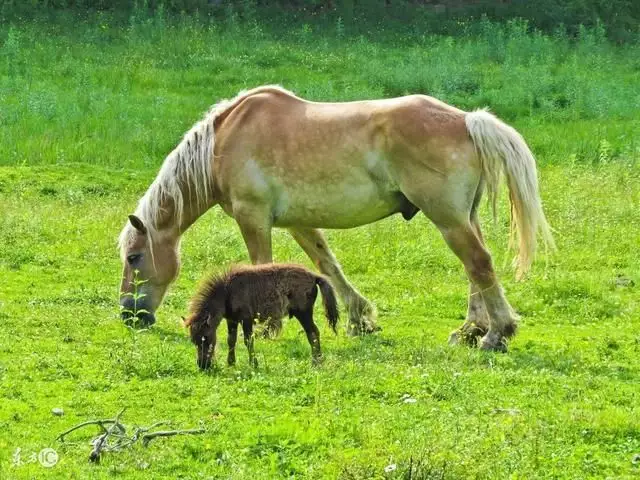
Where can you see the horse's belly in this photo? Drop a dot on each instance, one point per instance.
(344, 206)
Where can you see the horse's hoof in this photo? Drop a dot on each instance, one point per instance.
(355, 330)
(464, 336)
(488, 345)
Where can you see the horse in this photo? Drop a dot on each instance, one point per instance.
(265, 293)
(271, 159)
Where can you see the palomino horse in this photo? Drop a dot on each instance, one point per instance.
(272, 159)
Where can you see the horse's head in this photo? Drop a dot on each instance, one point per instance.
(151, 262)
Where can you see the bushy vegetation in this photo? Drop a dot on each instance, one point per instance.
(622, 17)
(106, 93)
(89, 107)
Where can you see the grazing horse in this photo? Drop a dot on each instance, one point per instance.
(272, 159)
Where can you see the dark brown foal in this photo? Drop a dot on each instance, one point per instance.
(262, 293)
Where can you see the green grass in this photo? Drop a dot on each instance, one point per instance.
(88, 112)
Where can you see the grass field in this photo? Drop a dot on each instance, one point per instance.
(89, 109)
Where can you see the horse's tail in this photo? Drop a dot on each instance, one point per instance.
(500, 148)
(329, 301)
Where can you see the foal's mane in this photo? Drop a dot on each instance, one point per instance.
(204, 292)
(187, 170)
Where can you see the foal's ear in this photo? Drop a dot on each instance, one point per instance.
(137, 224)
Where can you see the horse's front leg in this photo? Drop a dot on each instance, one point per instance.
(362, 314)
(255, 226)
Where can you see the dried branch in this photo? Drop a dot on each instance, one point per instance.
(112, 429)
(147, 437)
(100, 442)
(100, 423)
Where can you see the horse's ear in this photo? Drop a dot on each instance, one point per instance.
(137, 224)
(186, 322)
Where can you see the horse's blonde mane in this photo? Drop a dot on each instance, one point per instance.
(187, 169)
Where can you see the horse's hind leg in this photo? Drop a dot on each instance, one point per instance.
(362, 315)
(476, 323)
(463, 240)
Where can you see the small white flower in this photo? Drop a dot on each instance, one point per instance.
(390, 468)
(410, 400)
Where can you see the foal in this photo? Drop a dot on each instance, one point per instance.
(260, 293)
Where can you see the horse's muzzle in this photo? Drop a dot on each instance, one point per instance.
(136, 317)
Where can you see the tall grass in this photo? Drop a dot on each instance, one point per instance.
(103, 91)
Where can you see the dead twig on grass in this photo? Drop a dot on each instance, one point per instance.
(100, 442)
(114, 435)
(100, 423)
(147, 437)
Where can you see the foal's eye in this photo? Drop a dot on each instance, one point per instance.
(133, 258)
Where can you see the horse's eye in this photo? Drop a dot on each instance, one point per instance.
(133, 258)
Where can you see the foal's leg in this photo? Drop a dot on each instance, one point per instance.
(313, 334)
(362, 315)
(247, 330)
(477, 320)
(232, 337)
(463, 240)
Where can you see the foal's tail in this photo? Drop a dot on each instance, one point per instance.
(500, 148)
(329, 301)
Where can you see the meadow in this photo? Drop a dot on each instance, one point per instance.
(89, 108)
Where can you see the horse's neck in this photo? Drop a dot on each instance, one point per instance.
(192, 213)
(167, 220)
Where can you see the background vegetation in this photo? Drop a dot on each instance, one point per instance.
(92, 100)
(622, 17)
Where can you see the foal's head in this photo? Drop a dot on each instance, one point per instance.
(206, 312)
(154, 256)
